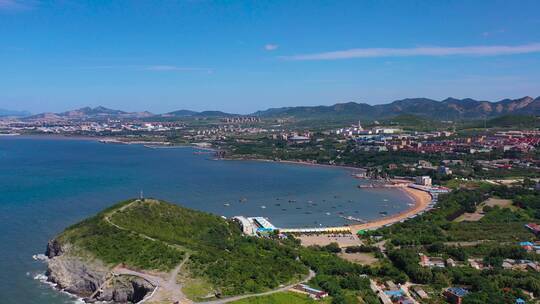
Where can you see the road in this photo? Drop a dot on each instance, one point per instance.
(281, 289)
(167, 289)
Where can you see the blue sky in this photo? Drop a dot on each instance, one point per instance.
(241, 56)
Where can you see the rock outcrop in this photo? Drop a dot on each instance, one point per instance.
(75, 272)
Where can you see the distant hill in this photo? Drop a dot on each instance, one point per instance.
(9, 113)
(512, 121)
(179, 113)
(189, 113)
(448, 109)
(88, 113)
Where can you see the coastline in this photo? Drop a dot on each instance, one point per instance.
(293, 162)
(420, 198)
(421, 202)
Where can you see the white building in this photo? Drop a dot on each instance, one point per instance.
(423, 180)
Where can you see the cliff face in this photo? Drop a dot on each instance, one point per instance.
(82, 276)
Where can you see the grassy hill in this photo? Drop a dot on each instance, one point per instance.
(514, 121)
(156, 235)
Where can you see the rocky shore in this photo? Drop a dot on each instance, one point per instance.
(74, 272)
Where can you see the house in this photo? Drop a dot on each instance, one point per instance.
(420, 292)
(476, 264)
(444, 170)
(507, 264)
(455, 295)
(391, 285)
(450, 262)
(311, 292)
(423, 180)
(453, 162)
(535, 228)
(520, 301)
(527, 246)
(431, 261)
(299, 139)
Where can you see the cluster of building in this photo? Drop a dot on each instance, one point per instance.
(507, 163)
(390, 139)
(70, 127)
(221, 132)
(478, 264)
(390, 293)
(293, 137)
(241, 119)
(531, 246)
(523, 265)
(255, 225)
(358, 131)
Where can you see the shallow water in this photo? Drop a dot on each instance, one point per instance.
(47, 184)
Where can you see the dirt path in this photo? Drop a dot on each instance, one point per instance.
(281, 289)
(108, 220)
(167, 289)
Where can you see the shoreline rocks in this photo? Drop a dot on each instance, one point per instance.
(83, 276)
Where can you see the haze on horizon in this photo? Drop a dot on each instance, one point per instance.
(251, 55)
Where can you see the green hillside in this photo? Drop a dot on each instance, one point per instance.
(156, 235)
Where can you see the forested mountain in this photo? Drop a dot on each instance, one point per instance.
(449, 109)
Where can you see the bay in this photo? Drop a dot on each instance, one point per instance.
(47, 184)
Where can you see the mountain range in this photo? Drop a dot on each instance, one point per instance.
(88, 113)
(447, 109)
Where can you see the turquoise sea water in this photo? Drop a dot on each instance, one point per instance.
(47, 184)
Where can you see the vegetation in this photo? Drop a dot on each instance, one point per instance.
(281, 298)
(219, 253)
(115, 246)
(491, 240)
(343, 280)
(157, 235)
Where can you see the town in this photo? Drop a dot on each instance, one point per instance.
(461, 175)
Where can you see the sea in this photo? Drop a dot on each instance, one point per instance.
(50, 183)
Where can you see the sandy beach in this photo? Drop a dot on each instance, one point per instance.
(421, 202)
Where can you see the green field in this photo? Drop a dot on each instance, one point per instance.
(281, 298)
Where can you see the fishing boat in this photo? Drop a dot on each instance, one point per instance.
(355, 219)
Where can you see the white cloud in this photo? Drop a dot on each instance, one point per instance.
(420, 51)
(271, 47)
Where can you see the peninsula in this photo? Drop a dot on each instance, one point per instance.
(159, 252)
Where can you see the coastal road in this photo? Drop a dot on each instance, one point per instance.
(281, 289)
